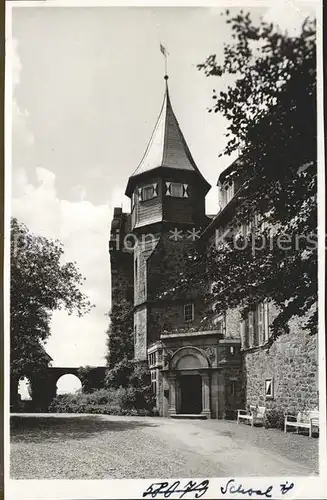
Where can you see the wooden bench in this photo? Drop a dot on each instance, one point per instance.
(303, 420)
(256, 415)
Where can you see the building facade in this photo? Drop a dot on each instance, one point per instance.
(284, 378)
(202, 368)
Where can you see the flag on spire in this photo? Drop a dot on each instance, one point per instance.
(163, 50)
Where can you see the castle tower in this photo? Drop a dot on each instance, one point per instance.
(167, 193)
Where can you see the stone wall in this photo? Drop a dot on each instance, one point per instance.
(292, 364)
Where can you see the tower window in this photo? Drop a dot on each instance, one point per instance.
(189, 312)
(176, 189)
(148, 192)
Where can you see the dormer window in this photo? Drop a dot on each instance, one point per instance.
(228, 189)
(176, 190)
(148, 192)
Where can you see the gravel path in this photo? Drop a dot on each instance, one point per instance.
(107, 447)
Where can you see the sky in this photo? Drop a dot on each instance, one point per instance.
(87, 89)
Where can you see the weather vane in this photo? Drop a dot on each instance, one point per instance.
(165, 54)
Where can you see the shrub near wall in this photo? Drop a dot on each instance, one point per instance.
(119, 401)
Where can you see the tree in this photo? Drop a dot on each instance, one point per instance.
(39, 284)
(123, 370)
(271, 110)
(120, 340)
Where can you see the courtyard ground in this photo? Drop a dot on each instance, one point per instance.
(63, 446)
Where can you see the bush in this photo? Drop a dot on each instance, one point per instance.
(130, 374)
(275, 418)
(115, 401)
(120, 374)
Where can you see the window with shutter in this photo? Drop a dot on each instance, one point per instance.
(266, 320)
(147, 192)
(229, 191)
(244, 334)
(176, 189)
(251, 333)
(260, 323)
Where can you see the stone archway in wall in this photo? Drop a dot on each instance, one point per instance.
(189, 382)
(45, 387)
(68, 383)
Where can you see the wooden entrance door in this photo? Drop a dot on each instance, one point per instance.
(191, 394)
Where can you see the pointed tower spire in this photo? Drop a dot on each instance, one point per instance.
(167, 148)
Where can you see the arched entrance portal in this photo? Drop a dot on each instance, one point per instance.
(189, 384)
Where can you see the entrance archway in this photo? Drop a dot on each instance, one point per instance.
(189, 383)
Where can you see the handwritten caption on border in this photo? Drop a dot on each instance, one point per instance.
(194, 489)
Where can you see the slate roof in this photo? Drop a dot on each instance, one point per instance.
(167, 146)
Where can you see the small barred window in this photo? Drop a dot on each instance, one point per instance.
(189, 312)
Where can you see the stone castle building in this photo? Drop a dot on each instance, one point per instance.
(197, 367)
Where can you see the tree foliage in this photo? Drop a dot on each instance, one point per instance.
(91, 378)
(120, 340)
(271, 111)
(123, 371)
(39, 284)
